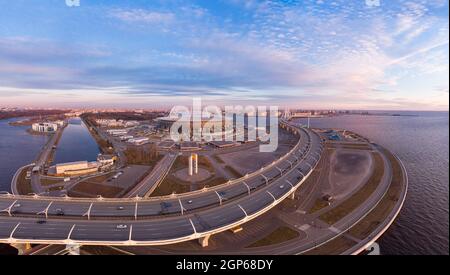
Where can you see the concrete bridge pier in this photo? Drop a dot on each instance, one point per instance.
(21, 247)
(73, 249)
(203, 241)
(292, 195)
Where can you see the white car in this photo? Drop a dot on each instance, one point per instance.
(121, 226)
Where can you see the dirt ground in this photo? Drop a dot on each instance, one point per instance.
(348, 170)
(251, 160)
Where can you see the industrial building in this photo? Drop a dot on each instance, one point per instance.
(76, 168)
(223, 144)
(165, 123)
(120, 132)
(138, 141)
(125, 138)
(116, 123)
(189, 146)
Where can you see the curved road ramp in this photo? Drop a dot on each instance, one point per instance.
(159, 220)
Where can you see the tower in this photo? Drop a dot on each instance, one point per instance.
(193, 164)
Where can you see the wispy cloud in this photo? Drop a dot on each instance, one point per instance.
(288, 52)
(142, 16)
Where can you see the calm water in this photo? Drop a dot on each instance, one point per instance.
(76, 144)
(17, 148)
(422, 142)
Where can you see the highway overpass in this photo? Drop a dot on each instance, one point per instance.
(159, 220)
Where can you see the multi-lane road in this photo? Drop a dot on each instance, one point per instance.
(159, 220)
(156, 176)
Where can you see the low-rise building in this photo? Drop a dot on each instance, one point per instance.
(116, 123)
(117, 132)
(165, 123)
(76, 168)
(106, 160)
(44, 127)
(189, 146)
(139, 141)
(223, 144)
(125, 138)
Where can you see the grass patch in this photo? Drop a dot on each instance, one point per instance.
(334, 247)
(96, 189)
(101, 178)
(146, 154)
(359, 197)
(233, 171)
(279, 235)
(171, 184)
(218, 159)
(318, 205)
(23, 184)
(386, 205)
(360, 146)
(47, 182)
(56, 188)
(213, 182)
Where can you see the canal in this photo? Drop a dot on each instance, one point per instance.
(76, 143)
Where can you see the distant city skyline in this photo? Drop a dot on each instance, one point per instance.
(154, 54)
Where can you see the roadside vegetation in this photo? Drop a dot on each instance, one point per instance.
(236, 174)
(89, 189)
(385, 207)
(334, 247)
(279, 235)
(142, 155)
(360, 196)
(24, 184)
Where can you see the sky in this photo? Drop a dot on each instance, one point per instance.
(316, 54)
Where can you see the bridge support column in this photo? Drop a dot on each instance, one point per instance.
(73, 249)
(292, 195)
(203, 241)
(21, 247)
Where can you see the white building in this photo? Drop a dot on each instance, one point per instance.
(44, 127)
(106, 160)
(117, 132)
(124, 138)
(116, 123)
(138, 141)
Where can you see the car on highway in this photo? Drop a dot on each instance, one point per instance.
(120, 208)
(189, 201)
(41, 221)
(17, 205)
(59, 212)
(121, 226)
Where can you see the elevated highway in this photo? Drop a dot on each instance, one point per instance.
(159, 220)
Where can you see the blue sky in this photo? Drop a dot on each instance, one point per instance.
(327, 54)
